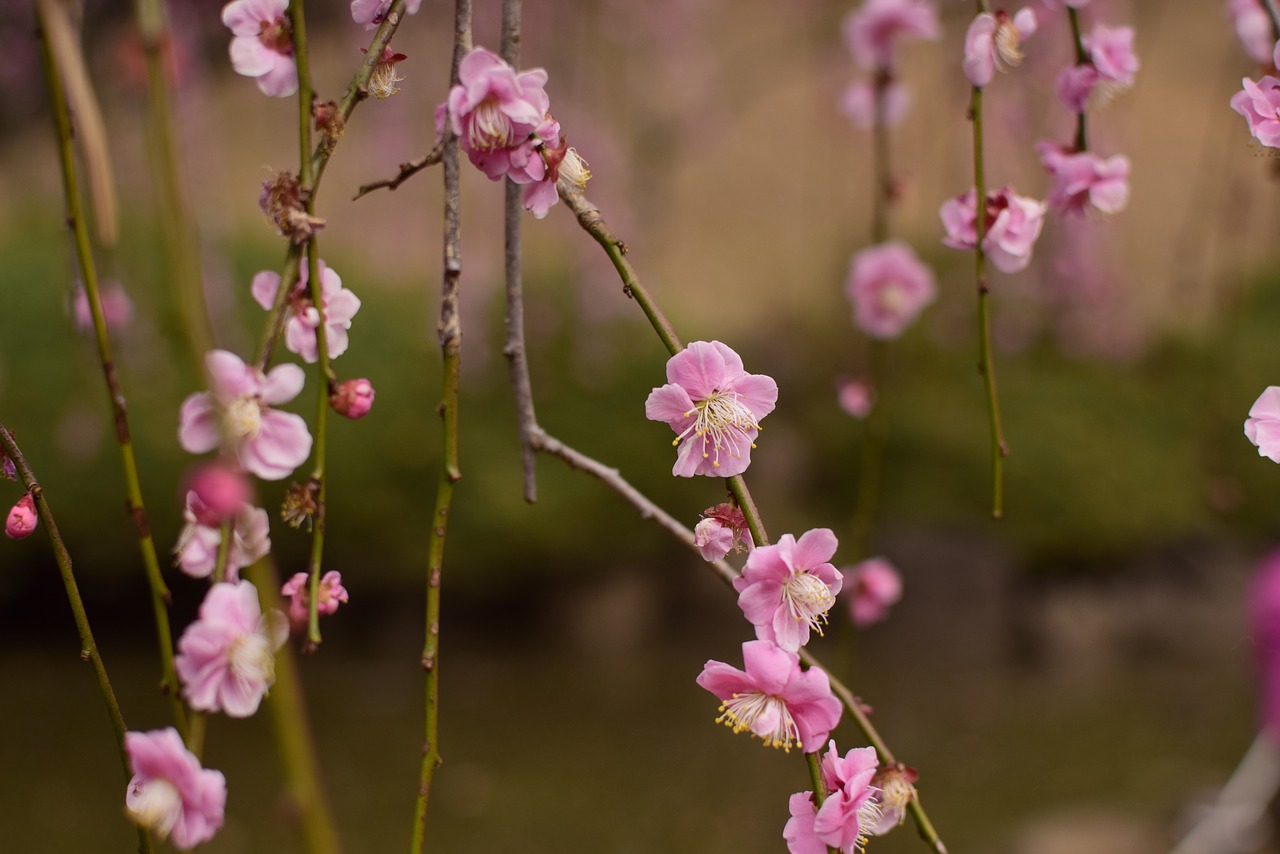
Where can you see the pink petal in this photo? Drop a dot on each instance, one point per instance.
(282, 384)
(264, 288)
(198, 431)
(671, 404)
(814, 547)
(699, 369)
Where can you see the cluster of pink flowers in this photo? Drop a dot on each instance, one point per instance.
(889, 286)
(340, 305)
(874, 33)
(201, 536)
(1012, 222)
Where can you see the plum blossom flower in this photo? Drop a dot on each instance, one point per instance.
(170, 795)
(1262, 427)
(873, 586)
(340, 305)
(1075, 84)
(222, 488)
(198, 543)
(267, 442)
(1253, 27)
(1013, 224)
(263, 44)
(715, 408)
(786, 589)
(383, 80)
(992, 43)
(297, 591)
(372, 12)
(1259, 103)
(847, 813)
(858, 104)
(22, 519)
(1111, 52)
(889, 287)
(894, 789)
(856, 396)
(225, 658)
(773, 698)
(723, 529)
(1083, 178)
(874, 30)
(117, 308)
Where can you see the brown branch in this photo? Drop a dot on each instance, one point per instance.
(407, 171)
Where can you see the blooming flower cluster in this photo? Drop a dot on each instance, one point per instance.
(1012, 222)
(201, 536)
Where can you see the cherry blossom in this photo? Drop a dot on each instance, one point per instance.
(1083, 179)
(263, 44)
(1263, 613)
(297, 590)
(715, 408)
(340, 305)
(873, 586)
(1111, 52)
(1253, 27)
(117, 308)
(856, 396)
(1259, 103)
(1013, 224)
(858, 104)
(848, 812)
(723, 529)
(992, 43)
(372, 12)
(874, 30)
(170, 795)
(201, 536)
(889, 287)
(352, 399)
(786, 589)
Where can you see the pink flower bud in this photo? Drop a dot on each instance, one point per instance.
(22, 518)
(352, 399)
(221, 488)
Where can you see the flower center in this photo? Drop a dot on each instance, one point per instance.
(723, 419)
(766, 716)
(490, 127)
(808, 599)
(154, 805)
(892, 298)
(244, 417)
(1008, 43)
(250, 659)
(277, 35)
(382, 84)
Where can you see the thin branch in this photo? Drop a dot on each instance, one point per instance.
(1082, 58)
(407, 171)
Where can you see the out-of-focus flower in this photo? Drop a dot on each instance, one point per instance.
(221, 488)
(856, 397)
(197, 549)
(225, 658)
(371, 13)
(1074, 86)
(298, 591)
(889, 287)
(1111, 52)
(872, 586)
(874, 30)
(170, 795)
(1013, 224)
(1259, 103)
(1264, 631)
(786, 589)
(1262, 427)
(263, 44)
(773, 698)
(22, 519)
(1081, 179)
(340, 305)
(858, 103)
(1253, 28)
(117, 308)
(993, 43)
(723, 529)
(715, 408)
(266, 441)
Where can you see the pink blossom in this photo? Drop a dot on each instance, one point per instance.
(1013, 224)
(874, 586)
(263, 44)
(1253, 27)
(1069, 4)
(267, 442)
(21, 521)
(1083, 178)
(1259, 103)
(715, 408)
(858, 104)
(786, 589)
(894, 790)
(723, 529)
(1075, 84)
(340, 305)
(889, 287)
(170, 795)
(857, 397)
(117, 308)
(874, 29)
(992, 43)
(773, 698)
(1111, 52)
(222, 488)
(1263, 614)
(848, 812)
(372, 12)
(225, 660)
(198, 543)
(1263, 424)
(298, 591)
(352, 399)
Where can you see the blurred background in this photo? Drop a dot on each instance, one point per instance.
(1074, 678)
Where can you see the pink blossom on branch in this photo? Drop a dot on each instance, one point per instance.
(714, 406)
(1253, 27)
(723, 529)
(786, 589)
(170, 795)
(1262, 427)
(874, 30)
(1075, 85)
(1081, 179)
(267, 442)
(1259, 103)
(848, 813)
(500, 117)
(889, 287)
(340, 305)
(773, 698)
(117, 308)
(872, 586)
(263, 44)
(198, 543)
(1263, 613)
(352, 399)
(1111, 52)
(992, 43)
(298, 591)
(1013, 224)
(22, 520)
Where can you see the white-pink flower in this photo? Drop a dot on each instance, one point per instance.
(1081, 179)
(197, 548)
(340, 305)
(170, 795)
(873, 586)
(858, 103)
(786, 589)
(993, 43)
(225, 658)
(372, 12)
(1262, 427)
(1111, 52)
(714, 406)
(1259, 103)
(298, 591)
(889, 287)
(874, 30)
(266, 441)
(1013, 224)
(263, 44)
(773, 698)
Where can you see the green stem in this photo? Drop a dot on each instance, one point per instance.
(324, 376)
(819, 786)
(88, 270)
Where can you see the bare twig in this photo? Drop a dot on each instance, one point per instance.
(407, 171)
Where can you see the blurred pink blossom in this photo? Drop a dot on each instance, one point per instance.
(888, 286)
(1013, 224)
(992, 43)
(22, 519)
(858, 103)
(1074, 86)
(117, 308)
(170, 795)
(371, 12)
(1111, 52)
(222, 488)
(1253, 27)
(856, 396)
(340, 305)
(1259, 103)
(773, 698)
(872, 587)
(1083, 178)
(263, 44)
(786, 589)
(714, 406)
(874, 30)
(266, 441)
(225, 658)
(1263, 612)
(298, 591)
(197, 549)
(1262, 427)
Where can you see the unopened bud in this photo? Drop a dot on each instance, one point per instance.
(352, 399)
(221, 488)
(22, 518)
